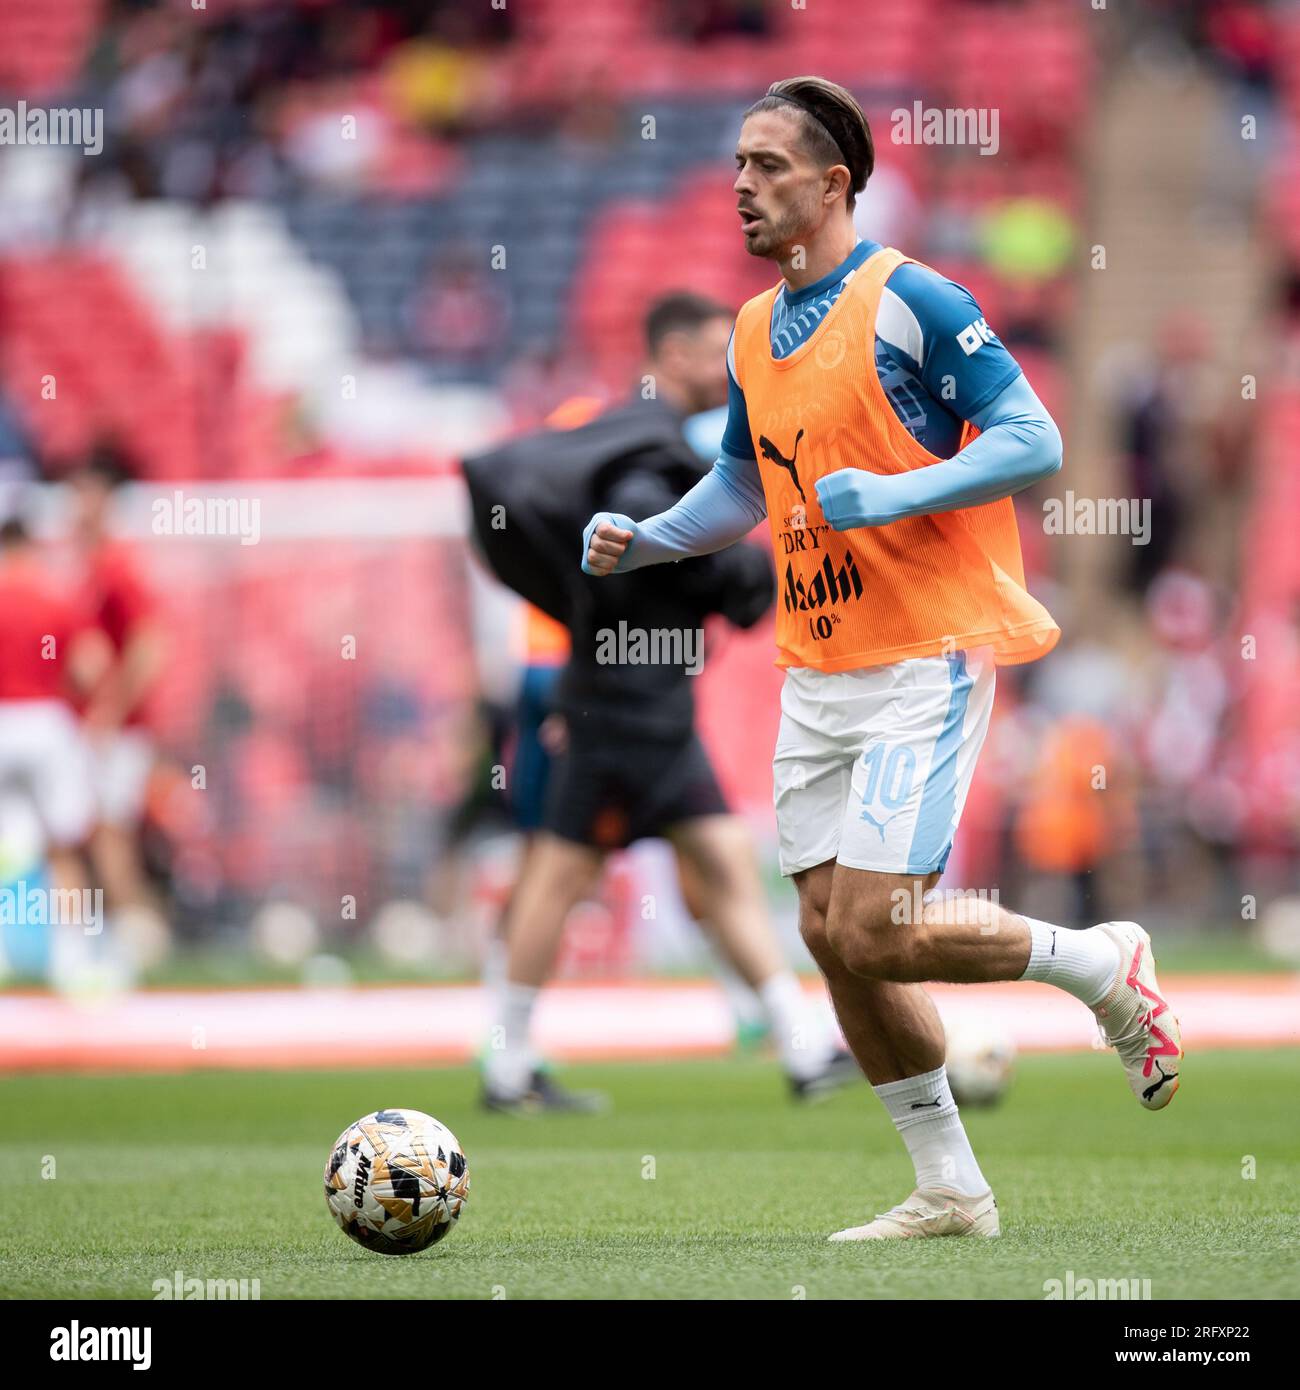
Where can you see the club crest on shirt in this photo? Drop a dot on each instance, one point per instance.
(829, 348)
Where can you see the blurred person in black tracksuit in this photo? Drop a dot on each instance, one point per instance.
(630, 764)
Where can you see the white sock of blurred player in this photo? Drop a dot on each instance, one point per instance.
(495, 959)
(798, 1034)
(925, 1115)
(509, 1059)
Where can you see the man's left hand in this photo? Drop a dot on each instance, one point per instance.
(853, 497)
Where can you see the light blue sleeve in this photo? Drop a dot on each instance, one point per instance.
(1018, 446)
(722, 508)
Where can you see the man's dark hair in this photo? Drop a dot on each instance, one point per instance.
(678, 312)
(106, 463)
(834, 129)
(13, 533)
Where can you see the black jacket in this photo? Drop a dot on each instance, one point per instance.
(541, 490)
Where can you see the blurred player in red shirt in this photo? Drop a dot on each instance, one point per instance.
(121, 748)
(50, 651)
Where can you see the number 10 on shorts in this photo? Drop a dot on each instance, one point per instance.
(890, 770)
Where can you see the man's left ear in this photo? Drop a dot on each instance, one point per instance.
(838, 182)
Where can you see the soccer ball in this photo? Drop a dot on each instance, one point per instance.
(396, 1181)
(981, 1061)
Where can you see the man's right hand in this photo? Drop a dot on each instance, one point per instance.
(605, 542)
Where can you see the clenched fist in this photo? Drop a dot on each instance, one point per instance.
(605, 542)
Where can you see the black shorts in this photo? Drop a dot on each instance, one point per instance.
(608, 791)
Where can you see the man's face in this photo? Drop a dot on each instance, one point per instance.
(779, 189)
(698, 361)
(90, 499)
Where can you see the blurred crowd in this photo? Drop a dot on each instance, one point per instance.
(405, 141)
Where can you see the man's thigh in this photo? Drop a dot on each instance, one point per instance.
(557, 871)
(863, 901)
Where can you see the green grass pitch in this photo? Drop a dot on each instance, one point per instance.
(218, 1175)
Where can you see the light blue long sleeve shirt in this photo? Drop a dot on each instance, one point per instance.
(939, 364)
(1018, 445)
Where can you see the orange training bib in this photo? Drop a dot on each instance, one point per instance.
(876, 594)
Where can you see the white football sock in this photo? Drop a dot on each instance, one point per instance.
(496, 957)
(925, 1115)
(1082, 963)
(801, 1043)
(509, 1060)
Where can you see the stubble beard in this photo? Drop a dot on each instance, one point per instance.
(778, 239)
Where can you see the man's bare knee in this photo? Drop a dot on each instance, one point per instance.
(873, 924)
(812, 928)
(871, 944)
(814, 886)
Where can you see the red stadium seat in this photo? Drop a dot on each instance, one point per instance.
(45, 45)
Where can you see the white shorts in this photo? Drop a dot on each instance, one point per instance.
(43, 756)
(872, 766)
(120, 765)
